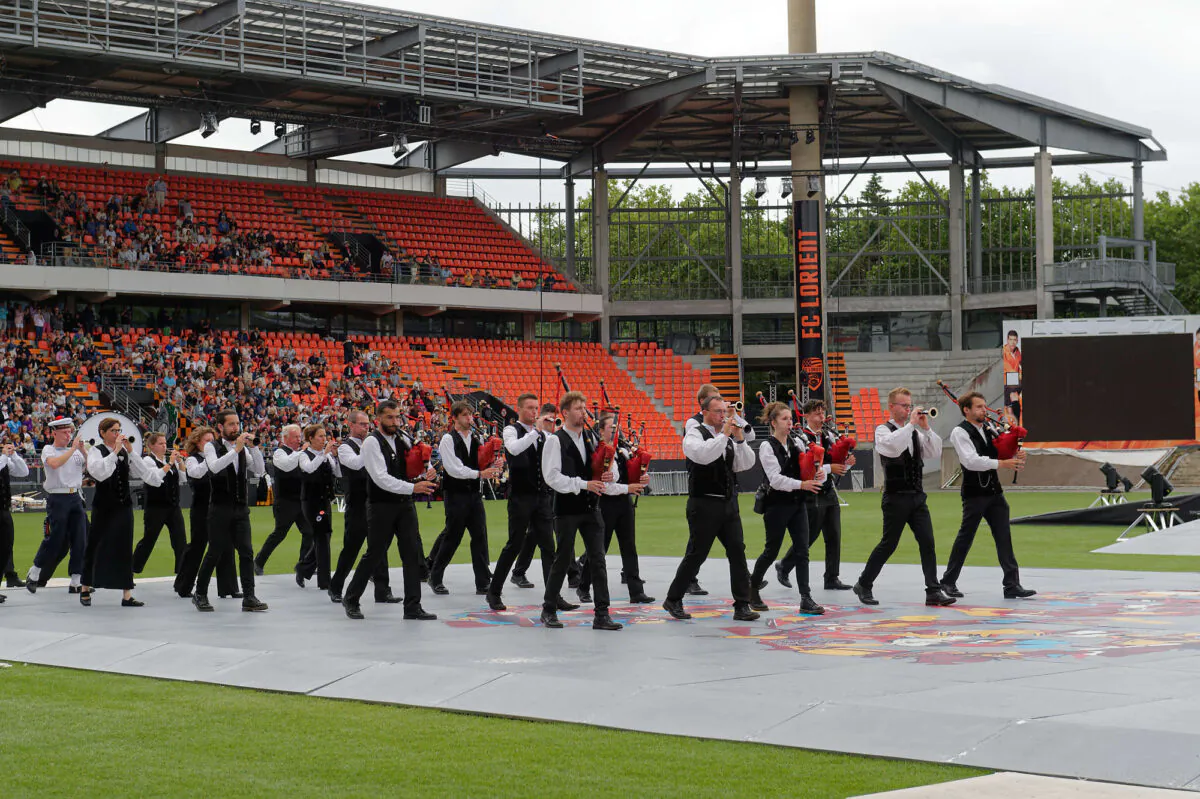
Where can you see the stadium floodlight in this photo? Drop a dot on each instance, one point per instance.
(1113, 479)
(795, 137)
(1160, 486)
(810, 136)
(280, 130)
(208, 125)
(785, 189)
(760, 187)
(399, 146)
(814, 186)
(255, 127)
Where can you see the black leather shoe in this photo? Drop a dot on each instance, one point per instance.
(950, 589)
(439, 589)
(335, 597)
(31, 586)
(603, 621)
(1019, 592)
(85, 598)
(494, 602)
(695, 590)
(14, 580)
(550, 620)
(482, 591)
(809, 607)
(251, 604)
(936, 599)
(299, 580)
(761, 585)
(258, 569)
(200, 601)
(757, 603)
(132, 603)
(640, 599)
(420, 614)
(675, 608)
(183, 595)
(836, 585)
(3, 599)
(572, 581)
(782, 576)
(353, 611)
(622, 578)
(388, 599)
(520, 581)
(744, 613)
(585, 596)
(565, 605)
(864, 595)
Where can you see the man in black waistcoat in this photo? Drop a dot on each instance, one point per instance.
(390, 513)
(824, 510)
(459, 451)
(568, 470)
(982, 497)
(530, 500)
(162, 504)
(354, 476)
(903, 448)
(11, 465)
(716, 450)
(546, 426)
(230, 461)
(287, 508)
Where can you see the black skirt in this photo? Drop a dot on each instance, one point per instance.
(112, 562)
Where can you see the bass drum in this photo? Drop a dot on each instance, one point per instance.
(89, 431)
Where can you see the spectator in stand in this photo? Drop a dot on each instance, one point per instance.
(39, 324)
(5, 198)
(160, 193)
(515, 282)
(469, 279)
(30, 259)
(14, 182)
(4, 318)
(184, 210)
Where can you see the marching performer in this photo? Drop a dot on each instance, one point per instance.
(162, 504)
(319, 465)
(903, 448)
(459, 451)
(530, 500)
(618, 516)
(982, 496)
(11, 465)
(715, 450)
(783, 459)
(390, 513)
(108, 559)
(287, 509)
(200, 480)
(546, 426)
(64, 461)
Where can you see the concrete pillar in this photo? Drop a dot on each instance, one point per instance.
(570, 229)
(1043, 220)
(245, 320)
(439, 186)
(528, 327)
(160, 157)
(399, 322)
(976, 232)
(310, 172)
(733, 241)
(600, 266)
(1139, 211)
(802, 26)
(958, 248)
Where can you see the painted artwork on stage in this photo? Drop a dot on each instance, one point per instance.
(1052, 627)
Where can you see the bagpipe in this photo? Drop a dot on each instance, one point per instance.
(1007, 435)
(639, 458)
(416, 461)
(843, 445)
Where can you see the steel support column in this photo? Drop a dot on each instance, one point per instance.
(569, 245)
(733, 250)
(1139, 211)
(1043, 220)
(600, 265)
(976, 232)
(804, 112)
(958, 253)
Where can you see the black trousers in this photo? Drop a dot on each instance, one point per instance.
(823, 518)
(464, 512)
(153, 521)
(713, 519)
(319, 517)
(590, 529)
(7, 536)
(790, 518)
(385, 521)
(185, 578)
(618, 516)
(995, 509)
(525, 557)
(530, 523)
(900, 509)
(228, 532)
(287, 512)
(354, 536)
(67, 531)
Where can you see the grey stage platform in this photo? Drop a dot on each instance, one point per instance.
(1099, 677)
(1182, 539)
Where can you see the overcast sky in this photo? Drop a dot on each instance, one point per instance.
(1136, 62)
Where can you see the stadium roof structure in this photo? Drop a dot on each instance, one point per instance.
(349, 78)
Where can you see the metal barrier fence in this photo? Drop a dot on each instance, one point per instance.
(671, 484)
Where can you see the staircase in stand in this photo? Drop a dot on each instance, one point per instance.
(666, 410)
(727, 376)
(839, 386)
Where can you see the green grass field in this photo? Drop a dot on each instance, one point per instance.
(663, 531)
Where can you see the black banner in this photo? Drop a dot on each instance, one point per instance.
(810, 313)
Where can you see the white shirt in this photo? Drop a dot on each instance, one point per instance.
(893, 445)
(970, 459)
(774, 472)
(16, 465)
(101, 467)
(747, 429)
(309, 465)
(254, 459)
(196, 467)
(348, 457)
(454, 467)
(552, 471)
(376, 466)
(285, 461)
(698, 450)
(154, 465)
(69, 475)
(514, 445)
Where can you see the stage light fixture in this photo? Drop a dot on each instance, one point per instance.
(760, 187)
(814, 186)
(208, 125)
(1160, 486)
(400, 146)
(280, 130)
(785, 188)
(810, 136)
(794, 137)
(1113, 479)
(255, 127)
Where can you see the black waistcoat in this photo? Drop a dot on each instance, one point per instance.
(229, 486)
(714, 479)
(469, 456)
(167, 494)
(114, 492)
(201, 486)
(980, 484)
(356, 479)
(393, 459)
(318, 485)
(525, 470)
(289, 485)
(905, 473)
(789, 465)
(575, 465)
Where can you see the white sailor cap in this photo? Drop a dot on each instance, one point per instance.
(61, 421)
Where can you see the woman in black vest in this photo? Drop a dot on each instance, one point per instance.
(320, 467)
(108, 558)
(200, 481)
(162, 505)
(12, 464)
(786, 504)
